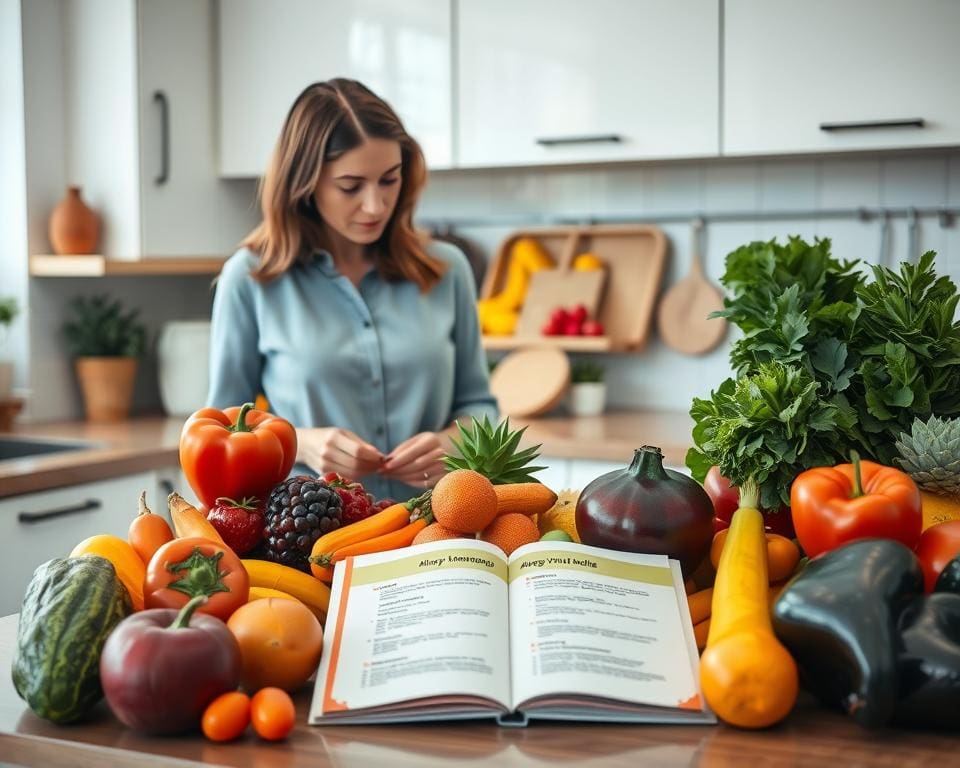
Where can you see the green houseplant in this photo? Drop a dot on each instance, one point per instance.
(588, 391)
(106, 341)
(9, 309)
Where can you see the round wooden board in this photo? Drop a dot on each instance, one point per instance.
(530, 381)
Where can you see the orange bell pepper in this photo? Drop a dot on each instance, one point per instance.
(238, 452)
(834, 505)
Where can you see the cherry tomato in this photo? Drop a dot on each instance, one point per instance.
(272, 713)
(226, 717)
(938, 545)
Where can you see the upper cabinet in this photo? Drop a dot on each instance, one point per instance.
(563, 81)
(827, 76)
(182, 201)
(270, 51)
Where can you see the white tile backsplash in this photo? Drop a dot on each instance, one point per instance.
(658, 377)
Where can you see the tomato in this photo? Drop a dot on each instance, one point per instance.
(184, 568)
(226, 717)
(272, 713)
(938, 545)
(726, 498)
(237, 452)
(280, 643)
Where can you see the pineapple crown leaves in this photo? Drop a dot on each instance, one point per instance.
(492, 451)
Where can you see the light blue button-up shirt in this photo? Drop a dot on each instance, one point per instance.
(382, 360)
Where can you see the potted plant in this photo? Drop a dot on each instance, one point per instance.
(105, 341)
(588, 392)
(9, 310)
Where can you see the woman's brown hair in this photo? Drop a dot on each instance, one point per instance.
(326, 120)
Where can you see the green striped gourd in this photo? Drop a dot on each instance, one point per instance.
(70, 607)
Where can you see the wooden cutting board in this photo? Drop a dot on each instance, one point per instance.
(552, 288)
(530, 381)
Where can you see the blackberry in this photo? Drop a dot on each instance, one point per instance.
(299, 511)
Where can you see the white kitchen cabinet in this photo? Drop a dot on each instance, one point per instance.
(269, 52)
(827, 76)
(182, 199)
(36, 527)
(564, 81)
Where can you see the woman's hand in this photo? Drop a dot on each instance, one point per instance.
(331, 449)
(417, 461)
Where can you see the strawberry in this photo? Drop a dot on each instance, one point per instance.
(357, 503)
(379, 506)
(240, 523)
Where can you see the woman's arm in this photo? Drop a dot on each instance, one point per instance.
(235, 362)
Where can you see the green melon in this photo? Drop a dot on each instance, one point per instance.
(70, 607)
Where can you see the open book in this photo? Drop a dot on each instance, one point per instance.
(455, 629)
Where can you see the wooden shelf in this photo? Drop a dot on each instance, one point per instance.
(44, 265)
(566, 343)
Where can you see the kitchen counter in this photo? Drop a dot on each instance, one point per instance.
(145, 444)
(809, 737)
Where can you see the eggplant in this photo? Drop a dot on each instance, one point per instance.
(929, 663)
(838, 618)
(647, 508)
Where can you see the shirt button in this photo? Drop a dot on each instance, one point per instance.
(380, 430)
(367, 324)
(375, 382)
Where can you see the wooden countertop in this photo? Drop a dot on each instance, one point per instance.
(145, 444)
(809, 737)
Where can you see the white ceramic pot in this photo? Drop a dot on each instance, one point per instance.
(6, 379)
(587, 399)
(183, 359)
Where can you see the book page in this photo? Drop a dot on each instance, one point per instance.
(593, 622)
(424, 621)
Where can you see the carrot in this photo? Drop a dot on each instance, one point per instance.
(747, 677)
(393, 518)
(189, 521)
(393, 540)
(525, 498)
(699, 604)
(148, 532)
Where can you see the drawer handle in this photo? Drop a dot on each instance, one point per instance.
(166, 486)
(910, 122)
(600, 138)
(48, 514)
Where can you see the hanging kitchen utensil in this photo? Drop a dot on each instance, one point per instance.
(913, 236)
(884, 259)
(683, 315)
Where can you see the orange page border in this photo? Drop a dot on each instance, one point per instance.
(329, 703)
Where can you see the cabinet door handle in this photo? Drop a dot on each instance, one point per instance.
(48, 514)
(869, 125)
(599, 138)
(159, 97)
(166, 486)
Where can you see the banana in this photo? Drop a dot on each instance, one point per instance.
(308, 590)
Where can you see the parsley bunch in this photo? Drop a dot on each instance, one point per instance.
(829, 360)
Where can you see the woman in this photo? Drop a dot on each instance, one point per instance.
(358, 333)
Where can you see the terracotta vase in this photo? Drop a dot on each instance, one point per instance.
(107, 386)
(74, 227)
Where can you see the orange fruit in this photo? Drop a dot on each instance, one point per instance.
(464, 501)
(280, 643)
(437, 532)
(510, 531)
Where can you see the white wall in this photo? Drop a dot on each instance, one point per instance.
(13, 189)
(658, 377)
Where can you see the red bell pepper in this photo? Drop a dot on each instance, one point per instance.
(237, 452)
(160, 668)
(184, 568)
(860, 500)
(726, 499)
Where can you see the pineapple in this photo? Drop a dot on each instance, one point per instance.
(562, 515)
(930, 454)
(492, 451)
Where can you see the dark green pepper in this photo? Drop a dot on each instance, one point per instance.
(929, 664)
(838, 618)
(949, 578)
